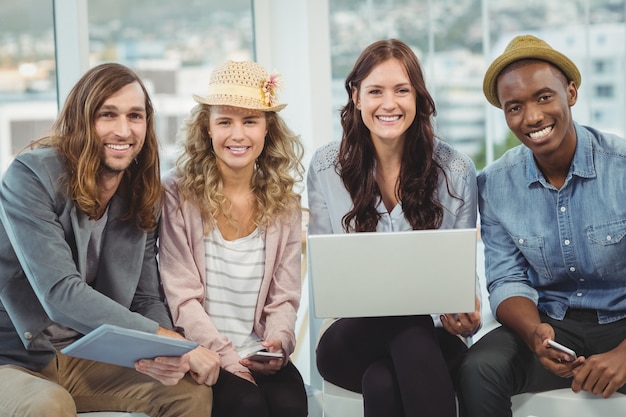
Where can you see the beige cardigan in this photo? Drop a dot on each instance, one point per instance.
(182, 262)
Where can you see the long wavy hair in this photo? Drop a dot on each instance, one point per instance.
(277, 172)
(74, 135)
(419, 173)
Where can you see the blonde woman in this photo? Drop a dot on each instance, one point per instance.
(230, 241)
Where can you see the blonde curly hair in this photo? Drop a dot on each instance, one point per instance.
(277, 172)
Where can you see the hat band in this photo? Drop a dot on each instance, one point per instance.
(236, 90)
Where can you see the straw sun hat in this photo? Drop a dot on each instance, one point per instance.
(526, 47)
(243, 84)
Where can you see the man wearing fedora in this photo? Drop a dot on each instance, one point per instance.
(553, 223)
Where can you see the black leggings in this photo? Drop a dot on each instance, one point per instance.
(401, 365)
(279, 395)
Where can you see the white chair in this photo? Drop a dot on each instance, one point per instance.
(111, 414)
(567, 403)
(339, 402)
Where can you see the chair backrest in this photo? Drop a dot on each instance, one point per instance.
(111, 414)
(339, 402)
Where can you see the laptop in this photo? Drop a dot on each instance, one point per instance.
(392, 273)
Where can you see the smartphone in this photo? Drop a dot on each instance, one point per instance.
(264, 356)
(562, 348)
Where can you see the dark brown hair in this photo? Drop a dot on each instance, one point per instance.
(419, 174)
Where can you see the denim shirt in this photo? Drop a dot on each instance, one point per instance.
(562, 248)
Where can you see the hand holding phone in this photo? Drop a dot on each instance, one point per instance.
(264, 356)
(558, 346)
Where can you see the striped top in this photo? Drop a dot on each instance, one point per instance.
(234, 270)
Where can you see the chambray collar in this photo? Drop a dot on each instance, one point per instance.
(582, 164)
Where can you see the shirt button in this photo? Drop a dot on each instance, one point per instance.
(608, 237)
(566, 241)
(582, 280)
(563, 209)
(579, 294)
(520, 241)
(572, 269)
(28, 335)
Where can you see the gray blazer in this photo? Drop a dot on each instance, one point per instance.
(43, 254)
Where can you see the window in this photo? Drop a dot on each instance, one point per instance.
(604, 91)
(456, 41)
(27, 74)
(603, 66)
(172, 48)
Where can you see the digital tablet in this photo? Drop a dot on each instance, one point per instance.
(120, 346)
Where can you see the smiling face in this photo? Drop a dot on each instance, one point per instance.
(536, 99)
(121, 125)
(238, 136)
(386, 100)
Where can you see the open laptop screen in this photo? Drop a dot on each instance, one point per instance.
(393, 273)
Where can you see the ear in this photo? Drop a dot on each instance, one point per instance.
(355, 98)
(572, 93)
